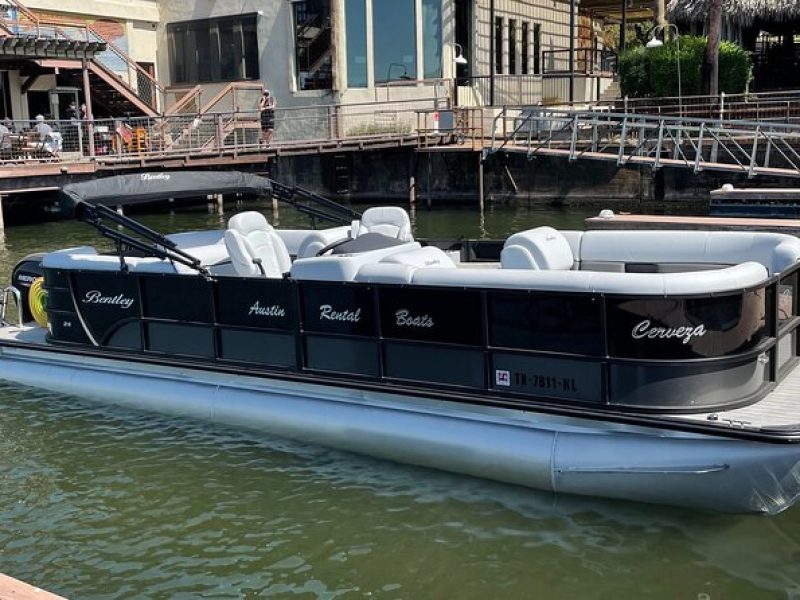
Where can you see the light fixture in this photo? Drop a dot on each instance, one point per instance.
(460, 59)
(404, 75)
(657, 43)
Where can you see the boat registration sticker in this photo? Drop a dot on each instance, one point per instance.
(502, 378)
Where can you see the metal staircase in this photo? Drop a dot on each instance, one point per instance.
(232, 112)
(118, 83)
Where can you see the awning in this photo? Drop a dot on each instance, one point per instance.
(127, 190)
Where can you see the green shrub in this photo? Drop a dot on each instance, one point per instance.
(653, 72)
(633, 73)
(735, 68)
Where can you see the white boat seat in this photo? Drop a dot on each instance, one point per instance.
(343, 267)
(669, 250)
(392, 221)
(732, 279)
(429, 256)
(539, 249)
(254, 247)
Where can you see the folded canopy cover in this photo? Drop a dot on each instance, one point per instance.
(125, 190)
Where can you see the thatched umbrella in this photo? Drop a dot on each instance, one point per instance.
(741, 12)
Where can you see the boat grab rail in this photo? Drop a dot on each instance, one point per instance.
(319, 208)
(159, 246)
(4, 297)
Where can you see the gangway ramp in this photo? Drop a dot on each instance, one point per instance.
(749, 147)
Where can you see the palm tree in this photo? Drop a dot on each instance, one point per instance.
(659, 13)
(711, 66)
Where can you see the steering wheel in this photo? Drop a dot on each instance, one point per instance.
(355, 229)
(333, 245)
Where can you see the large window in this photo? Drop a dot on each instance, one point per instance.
(209, 50)
(498, 45)
(432, 38)
(524, 48)
(512, 46)
(312, 40)
(356, 26)
(394, 40)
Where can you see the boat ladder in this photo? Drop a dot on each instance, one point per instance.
(7, 293)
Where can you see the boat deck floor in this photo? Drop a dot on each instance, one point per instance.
(779, 410)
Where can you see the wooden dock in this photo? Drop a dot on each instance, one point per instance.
(732, 194)
(13, 589)
(654, 222)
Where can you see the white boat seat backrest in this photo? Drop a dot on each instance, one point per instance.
(540, 249)
(251, 241)
(392, 221)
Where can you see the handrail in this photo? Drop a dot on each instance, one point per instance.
(58, 28)
(228, 89)
(130, 62)
(330, 211)
(190, 95)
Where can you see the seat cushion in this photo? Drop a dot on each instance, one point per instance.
(250, 236)
(429, 256)
(249, 221)
(540, 249)
(387, 220)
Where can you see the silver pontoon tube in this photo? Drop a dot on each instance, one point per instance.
(559, 454)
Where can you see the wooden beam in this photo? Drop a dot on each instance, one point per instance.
(28, 83)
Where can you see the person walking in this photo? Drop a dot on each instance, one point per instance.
(266, 109)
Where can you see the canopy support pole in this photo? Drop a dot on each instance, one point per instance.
(87, 98)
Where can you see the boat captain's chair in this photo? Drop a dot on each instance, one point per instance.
(539, 249)
(391, 221)
(256, 250)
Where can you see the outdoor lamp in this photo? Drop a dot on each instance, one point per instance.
(459, 59)
(657, 43)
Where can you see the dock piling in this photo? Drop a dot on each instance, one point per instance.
(480, 181)
(412, 179)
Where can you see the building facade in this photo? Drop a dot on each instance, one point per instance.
(351, 51)
(147, 55)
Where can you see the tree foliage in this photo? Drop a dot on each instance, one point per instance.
(653, 72)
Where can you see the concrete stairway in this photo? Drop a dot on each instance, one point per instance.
(612, 92)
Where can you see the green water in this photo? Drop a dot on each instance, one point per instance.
(101, 502)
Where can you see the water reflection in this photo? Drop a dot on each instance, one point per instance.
(106, 502)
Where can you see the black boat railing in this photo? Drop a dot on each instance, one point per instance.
(159, 246)
(315, 206)
(152, 243)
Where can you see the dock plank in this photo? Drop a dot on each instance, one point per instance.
(654, 222)
(13, 589)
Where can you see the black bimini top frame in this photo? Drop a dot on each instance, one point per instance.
(90, 202)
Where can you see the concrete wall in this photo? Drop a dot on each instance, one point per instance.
(276, 60)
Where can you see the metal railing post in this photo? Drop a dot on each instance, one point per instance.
(659, 143)
(754, 156)
(699, 156)
(622, 136)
